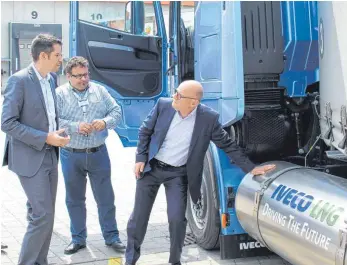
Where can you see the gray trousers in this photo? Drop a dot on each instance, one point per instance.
(41, 191)
(176, 183)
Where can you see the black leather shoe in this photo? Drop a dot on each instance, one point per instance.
(73, 248)
(117, 245)
(3, 246)
(177, 263)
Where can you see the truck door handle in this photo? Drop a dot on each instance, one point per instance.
(116, 36)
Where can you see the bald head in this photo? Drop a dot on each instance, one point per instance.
(187, 96)
(191, 88)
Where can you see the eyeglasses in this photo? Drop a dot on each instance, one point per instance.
(80, 75)
(180, 96)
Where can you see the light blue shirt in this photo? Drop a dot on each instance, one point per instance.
(48, 97)
(175, 148)
(101, 105)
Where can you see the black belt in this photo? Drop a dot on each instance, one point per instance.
(85, 150)
(162, 164)
(48, 147)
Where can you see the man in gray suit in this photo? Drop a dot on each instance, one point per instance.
(173, 141)
(30, 121)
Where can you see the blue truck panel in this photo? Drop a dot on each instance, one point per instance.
(230, 176)
(218, 64)
(300, 34)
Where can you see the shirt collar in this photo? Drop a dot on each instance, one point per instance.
(192, 114)
(39, 75)
(80, 92)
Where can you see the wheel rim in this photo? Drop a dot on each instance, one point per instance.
(199, 209)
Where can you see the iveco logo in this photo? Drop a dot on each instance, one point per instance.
(250, 245)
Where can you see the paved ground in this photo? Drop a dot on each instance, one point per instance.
(155, 247)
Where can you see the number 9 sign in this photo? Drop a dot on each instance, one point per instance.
(34, 15)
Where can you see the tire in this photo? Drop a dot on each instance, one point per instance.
(203, 217)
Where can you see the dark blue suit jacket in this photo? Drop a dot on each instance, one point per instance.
(207, 128)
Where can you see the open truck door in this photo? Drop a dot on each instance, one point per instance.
(125, 44)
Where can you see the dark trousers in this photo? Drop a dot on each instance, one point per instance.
(75, 167)
(176, 183)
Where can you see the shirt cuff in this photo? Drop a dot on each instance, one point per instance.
(107, 120)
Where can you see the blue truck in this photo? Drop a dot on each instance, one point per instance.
(259, 65)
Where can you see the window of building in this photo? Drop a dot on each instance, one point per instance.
(150, 27)
(109, 14)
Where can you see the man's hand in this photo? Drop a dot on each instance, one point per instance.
(262, 170)
(53, 138)
(85, 128)
(139, 167)
(99, 125)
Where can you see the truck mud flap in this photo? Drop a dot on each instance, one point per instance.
(241, 246)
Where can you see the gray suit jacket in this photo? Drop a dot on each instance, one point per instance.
(207, 128)
(25, 122)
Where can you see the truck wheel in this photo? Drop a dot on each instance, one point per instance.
(203, 217)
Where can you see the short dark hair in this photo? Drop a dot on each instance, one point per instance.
(74, 62)
(43, 43)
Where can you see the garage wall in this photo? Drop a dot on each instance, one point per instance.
(36, 12)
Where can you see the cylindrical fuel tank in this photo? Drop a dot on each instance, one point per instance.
(297, 212)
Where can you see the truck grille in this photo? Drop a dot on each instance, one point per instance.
(267, 127)
(264, 97)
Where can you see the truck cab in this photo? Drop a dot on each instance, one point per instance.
(259, 65)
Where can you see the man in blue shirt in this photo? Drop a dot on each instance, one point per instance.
(87, 111)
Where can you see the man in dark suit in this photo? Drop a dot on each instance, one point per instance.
(30, 121)
(173, 141)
